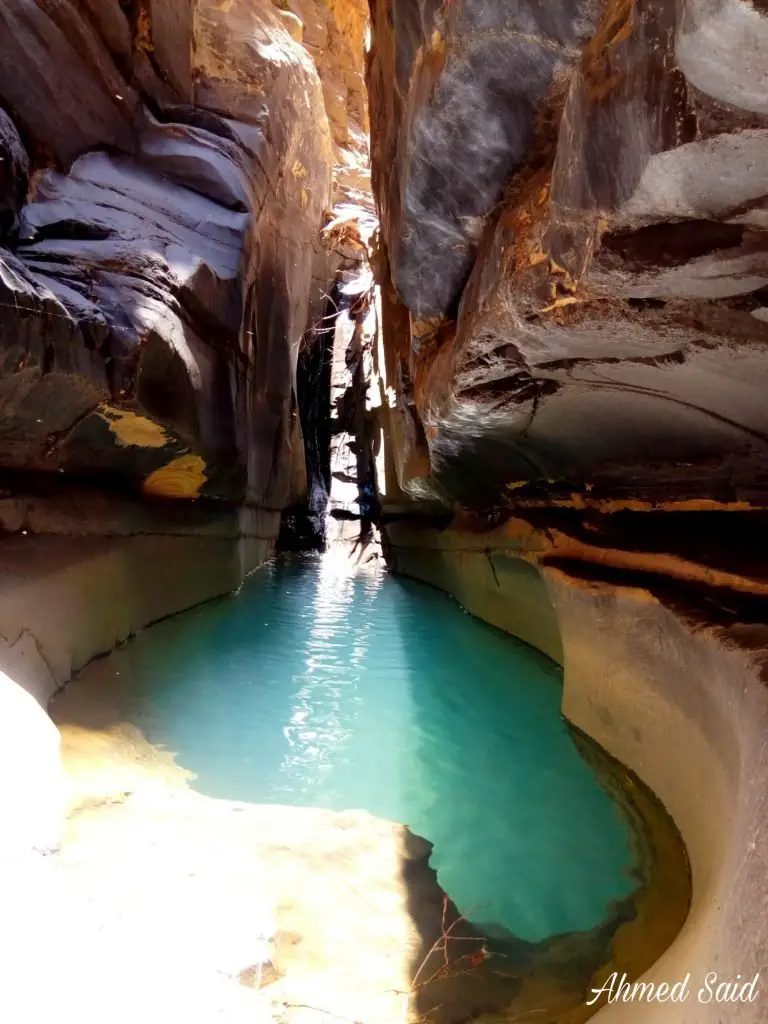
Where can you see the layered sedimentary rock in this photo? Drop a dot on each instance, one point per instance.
(576, 265)
(161, 268)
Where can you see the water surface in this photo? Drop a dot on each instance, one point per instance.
(316, 688)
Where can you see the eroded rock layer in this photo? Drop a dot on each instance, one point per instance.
(162, 262)
(575, 265)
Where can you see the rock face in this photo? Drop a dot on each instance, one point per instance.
(575, 265)
(160, 272)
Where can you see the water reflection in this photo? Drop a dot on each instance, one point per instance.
(327, 701)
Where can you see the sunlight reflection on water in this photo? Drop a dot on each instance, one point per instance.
(314, 687)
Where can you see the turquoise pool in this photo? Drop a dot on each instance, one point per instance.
(318, 688)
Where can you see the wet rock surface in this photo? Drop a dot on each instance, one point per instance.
(159, 273)
(580, 316)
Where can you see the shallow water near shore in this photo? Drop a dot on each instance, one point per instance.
(315, 687)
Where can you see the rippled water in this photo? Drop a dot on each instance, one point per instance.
(315, 688)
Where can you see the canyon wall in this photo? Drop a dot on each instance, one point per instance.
(167, 169)
(573, 266)
(572, 199)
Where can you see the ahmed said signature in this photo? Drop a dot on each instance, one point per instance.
(712, 989)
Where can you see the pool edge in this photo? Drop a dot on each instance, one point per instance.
(679, 702)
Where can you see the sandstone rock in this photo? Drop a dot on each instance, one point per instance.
(172, 35)
(722, 177)
(454, 94)
(722, 48)
(334, 35)
(143, 268)
(335, 95)
(293, 25)
(249, 43)
(163, 274)
(208, 161)
(112, 25)
(51, 374)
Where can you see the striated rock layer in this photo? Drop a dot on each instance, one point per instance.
(166, 170)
